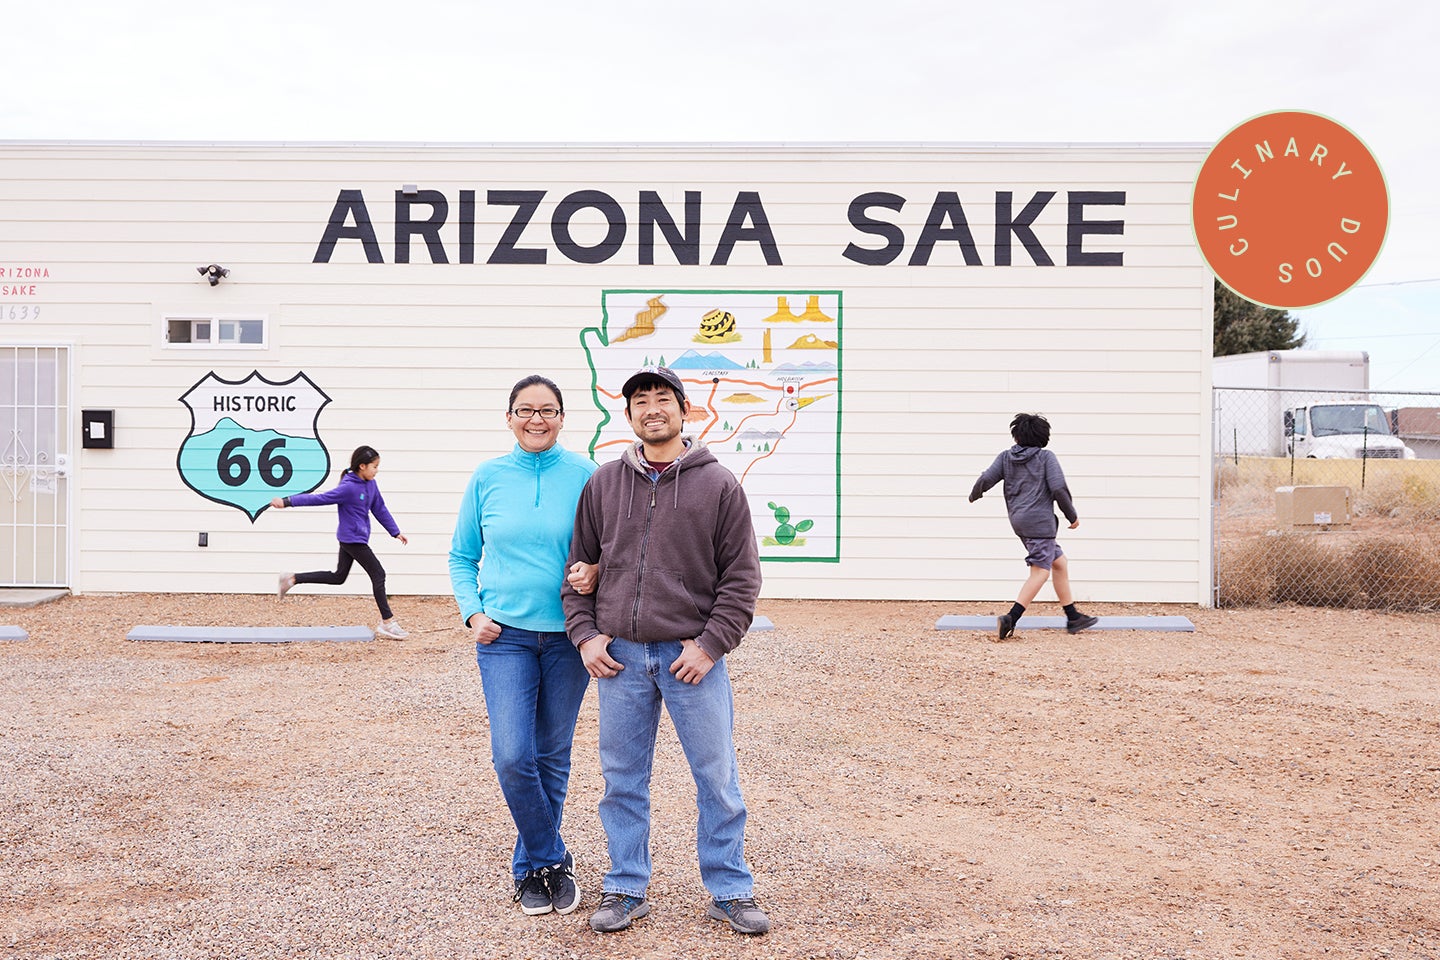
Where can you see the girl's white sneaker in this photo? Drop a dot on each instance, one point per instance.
(391, 631)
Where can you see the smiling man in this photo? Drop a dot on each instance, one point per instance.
(679, 576)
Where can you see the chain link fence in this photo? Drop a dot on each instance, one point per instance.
(1326, 498)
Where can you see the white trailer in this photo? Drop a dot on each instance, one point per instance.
(1301, 403)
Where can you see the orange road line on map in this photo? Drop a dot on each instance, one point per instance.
(793, 415)
(734, 431)
(710, 405)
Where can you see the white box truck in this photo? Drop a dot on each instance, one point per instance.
(1301, 403)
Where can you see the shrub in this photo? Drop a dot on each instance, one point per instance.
(1396, 572)
(1390, 571)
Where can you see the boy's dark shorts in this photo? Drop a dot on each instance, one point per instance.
(1041, 551)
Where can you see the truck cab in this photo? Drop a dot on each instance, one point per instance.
(1325, 431)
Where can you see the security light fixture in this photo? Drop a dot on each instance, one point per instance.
(214, 272)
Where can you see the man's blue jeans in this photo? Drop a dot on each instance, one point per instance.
(704, 718)
(534, 684)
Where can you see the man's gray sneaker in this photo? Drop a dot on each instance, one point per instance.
(617, 911)
(560, 879)
(533, 894)
(744, 914)
(1004, 626)
(1082, 622)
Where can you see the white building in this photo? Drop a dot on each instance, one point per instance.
(191, 329)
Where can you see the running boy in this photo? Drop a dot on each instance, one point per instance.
(1034, 486)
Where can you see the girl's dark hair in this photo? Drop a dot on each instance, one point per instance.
(531, 381)
(1030, 430)
(363, 454)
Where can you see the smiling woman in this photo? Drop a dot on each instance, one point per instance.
(516, 517)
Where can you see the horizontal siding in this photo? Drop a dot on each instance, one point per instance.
(418, 358)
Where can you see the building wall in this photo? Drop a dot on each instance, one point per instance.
(932, 358)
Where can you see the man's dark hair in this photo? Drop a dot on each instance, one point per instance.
(649, 381)
(1030, 430)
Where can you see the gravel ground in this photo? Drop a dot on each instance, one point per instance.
(1265, 787)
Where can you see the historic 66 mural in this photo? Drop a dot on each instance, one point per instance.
(252, 440)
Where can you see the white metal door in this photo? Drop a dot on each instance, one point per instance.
(34, 462)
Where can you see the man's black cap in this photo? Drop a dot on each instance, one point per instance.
(646, 376)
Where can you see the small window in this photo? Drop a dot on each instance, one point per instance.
(226, 332)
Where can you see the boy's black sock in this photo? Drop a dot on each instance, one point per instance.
(1070, 612)
(1016, 611)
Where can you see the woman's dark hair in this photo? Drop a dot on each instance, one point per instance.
(533, 380)
(363, 454)
(1030, 430)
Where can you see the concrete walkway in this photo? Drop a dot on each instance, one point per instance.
(30, 596)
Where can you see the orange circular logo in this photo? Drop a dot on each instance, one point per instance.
(1290, 209)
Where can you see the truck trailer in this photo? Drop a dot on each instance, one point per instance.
(1303, 404)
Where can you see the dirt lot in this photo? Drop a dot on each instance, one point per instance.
(1264, 787)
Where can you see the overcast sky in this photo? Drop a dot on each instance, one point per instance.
(742, 70)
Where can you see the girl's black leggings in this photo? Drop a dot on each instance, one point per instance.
(350, 553)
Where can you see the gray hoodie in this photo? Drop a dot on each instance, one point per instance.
(1034, 486)
(678, 557)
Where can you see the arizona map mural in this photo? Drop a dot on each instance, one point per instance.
(762, 370)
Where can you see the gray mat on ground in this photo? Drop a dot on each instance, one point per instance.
(251, 634)
(761, 623)
(13, 633)
(953, 621)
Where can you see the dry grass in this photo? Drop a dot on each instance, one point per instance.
(1396, 572)
(1386, 560)
(1410, 497)
(1386, 569)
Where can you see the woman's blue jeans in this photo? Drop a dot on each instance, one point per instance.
(534, 684)
(704, 718)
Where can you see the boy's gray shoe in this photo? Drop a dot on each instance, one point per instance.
(1082, 622)
(617, 911)
(533, 894)
(560, 879)
(744, 914)
(1004, 626)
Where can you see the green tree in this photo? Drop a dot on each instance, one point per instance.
(1244, 327)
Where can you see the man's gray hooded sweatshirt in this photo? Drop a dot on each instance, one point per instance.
(677, 553)
(1034, 486)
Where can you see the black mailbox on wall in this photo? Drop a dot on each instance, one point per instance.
(97, 429)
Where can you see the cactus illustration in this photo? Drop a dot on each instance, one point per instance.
(785, 531)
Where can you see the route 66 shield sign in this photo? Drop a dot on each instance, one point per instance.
(252, 440)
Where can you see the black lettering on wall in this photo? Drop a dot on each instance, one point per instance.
(891, 233)
(429, 228)
(467, 226)
(1005, 225)
(350, 204)
(946, 207)
(525, 203)
(686, 246)
(1077, 201)
(577, 201)
(747, 207)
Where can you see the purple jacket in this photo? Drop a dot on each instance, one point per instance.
(357, 499)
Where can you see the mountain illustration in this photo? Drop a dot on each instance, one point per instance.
(815, 367)
(694, 360)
